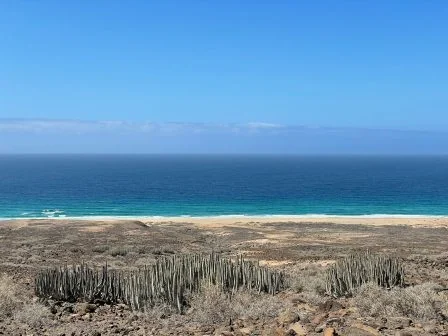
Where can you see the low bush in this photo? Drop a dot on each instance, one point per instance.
(100, 248)
(119, 251)
(10, 296)
(421, 302)
(33, 315)
(212, 306)
(309, 283)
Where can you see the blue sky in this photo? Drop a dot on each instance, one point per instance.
(327, 64)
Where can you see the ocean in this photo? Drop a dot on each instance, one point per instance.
(40, 186)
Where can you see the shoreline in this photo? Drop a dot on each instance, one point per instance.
(224, 217)
(244, 220)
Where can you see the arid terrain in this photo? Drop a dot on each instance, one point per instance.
(302, 248)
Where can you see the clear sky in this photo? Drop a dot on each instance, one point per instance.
(356, 64)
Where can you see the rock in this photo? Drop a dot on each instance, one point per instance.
(330, 305)
(320, 328)
(68, 309)
(366, 328)
(288, 317)
(296, 299)
(398, 322)
(338, 313)
(246, 331)
(84, 308)
(225, 333)
(271, 331)
(87, 317)
(336, 320)
(298, 329)
(318, 319)
(430, 328)
(361, 330)
(329, 332)
(95, 333)
(403, 333)
(122, 306)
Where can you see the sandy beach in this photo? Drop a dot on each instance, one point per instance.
(425, 221)
(241, 221)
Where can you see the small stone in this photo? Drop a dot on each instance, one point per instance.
(319, 319)
(366, 328)
(430, 328)
(329, 332)
(333, 320)
(320, 328)
(288, 317)
(246, 331)
(298, 329)
(398, 322)
(84, 308)
(361, 330)
(403, 333)
(330, 305)
(87, 317)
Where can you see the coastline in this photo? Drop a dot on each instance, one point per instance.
(242, 220)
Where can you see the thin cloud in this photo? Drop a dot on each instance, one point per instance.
(80, 127)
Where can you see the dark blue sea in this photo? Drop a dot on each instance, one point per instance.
(200, 185)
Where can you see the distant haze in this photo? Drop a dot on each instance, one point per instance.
(70, 136)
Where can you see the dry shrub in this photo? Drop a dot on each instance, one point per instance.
(10, 296)
(309, 282)
(119, 251)
(100, 248)
(253, 306)
(212, 306)
(421, 302)
(33, 315)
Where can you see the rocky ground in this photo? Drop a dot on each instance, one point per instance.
(302, 250)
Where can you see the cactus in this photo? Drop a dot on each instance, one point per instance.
(353, 271)
(169, 279)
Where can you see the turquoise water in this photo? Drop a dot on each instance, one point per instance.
(139, 185)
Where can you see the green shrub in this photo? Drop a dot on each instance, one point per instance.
(119, 251)
(169, 280)
(353, 271)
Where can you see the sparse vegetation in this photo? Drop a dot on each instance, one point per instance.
(168, 280)
(10, 296)
(211, 305)
(296, 251)
(309, 282)
(119, 251)
(33, 315)
(421, 302)
(100, 248)
(163, 250)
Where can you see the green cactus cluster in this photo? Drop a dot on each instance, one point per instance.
(170, 279)
(351, 272)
